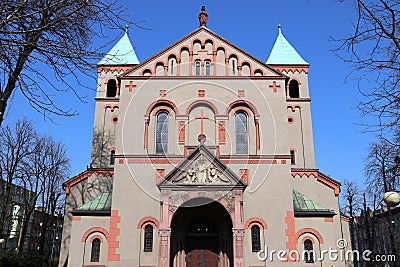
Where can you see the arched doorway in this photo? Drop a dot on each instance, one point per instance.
(201, 235)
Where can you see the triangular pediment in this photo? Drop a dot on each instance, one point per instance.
(201, 169)
(202, 35)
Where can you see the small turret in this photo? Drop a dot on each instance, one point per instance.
(122, 53)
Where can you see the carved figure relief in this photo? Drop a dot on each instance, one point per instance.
(201, 172)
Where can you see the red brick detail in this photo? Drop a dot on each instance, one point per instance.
(121, 161)
(253, 220)
(283, 161)
(162, 102)
(182, 132)
(244, 175)
(130, 86)
(344, 218)
(154, 161)
(113, 107)
(142, 223)
(113, 244)
(76, 218)
(249, 161)
(114, 119)
(274, 86)
(204, 103)
(293, 108)
(322, 178)
(84, 175)
(305, 173)
(201, 93)
(291, 68)
(221, 133)
(163, 93)
(290, 232)
(119, 68)
(160, 174)
(96, 236)
(309, 231)
(328, 219)
(95, 230)
(242, 102)
(329, 182)
(241, 93)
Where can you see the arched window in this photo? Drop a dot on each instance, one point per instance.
(112, 157)
(292, 157)
(255, 238)
(294, 89)
(95, 254)
(308, 251)
(111, 88)
(148, 238)
(197, 67)
(208, 68)
(162, 133)
(241, 133)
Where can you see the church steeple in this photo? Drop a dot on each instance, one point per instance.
(122, 53)
(283, 53)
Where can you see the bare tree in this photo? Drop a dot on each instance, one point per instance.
(352, 199)
(381, 168)
(36, 165)
(42, 36)
(373, 50)
(16, 144)
(43, 173)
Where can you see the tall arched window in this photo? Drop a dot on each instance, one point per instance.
(294, 89)
(208, 68)
(95, 253)
(148, 238)
(308, 251)
(197, 67)
(111, 88)
(255, 238)
(162, 133)
(241, 133)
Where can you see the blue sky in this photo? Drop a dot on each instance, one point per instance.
(340, 147)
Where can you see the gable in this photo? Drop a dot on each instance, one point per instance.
(201, 169)
(202, 45)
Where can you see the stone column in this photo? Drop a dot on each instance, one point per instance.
(238, 231)
(238, 247)
(164, 241)
(164, 233)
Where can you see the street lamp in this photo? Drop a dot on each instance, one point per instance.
(391, 198)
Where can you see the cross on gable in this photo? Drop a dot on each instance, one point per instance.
(274, 86)
(201, 117)
(130, 86)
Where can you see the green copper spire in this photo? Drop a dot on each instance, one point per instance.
(283, 52)
(122, 53)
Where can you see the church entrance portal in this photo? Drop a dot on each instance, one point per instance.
(201, 235)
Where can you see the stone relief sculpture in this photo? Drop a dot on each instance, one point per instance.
(201, 172)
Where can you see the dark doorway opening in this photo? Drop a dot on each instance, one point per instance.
(201, 235)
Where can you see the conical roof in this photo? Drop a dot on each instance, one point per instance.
(121, 54)
(283, 53)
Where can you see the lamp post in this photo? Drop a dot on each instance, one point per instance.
(392, 199)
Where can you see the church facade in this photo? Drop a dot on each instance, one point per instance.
(202, 155)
